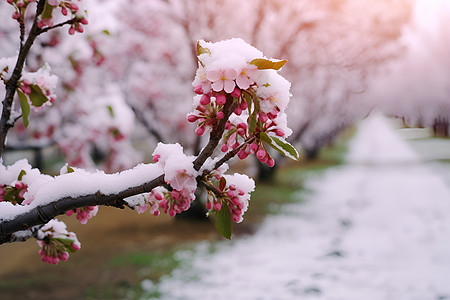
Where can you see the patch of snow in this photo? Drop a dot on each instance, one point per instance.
(367, 231)
(376, 143)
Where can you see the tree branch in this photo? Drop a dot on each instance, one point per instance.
(43, 214)
(216, 134)
(11, 85)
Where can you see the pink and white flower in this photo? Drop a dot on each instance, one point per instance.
(222, 79)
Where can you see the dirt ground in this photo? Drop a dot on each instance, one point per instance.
(111, 233)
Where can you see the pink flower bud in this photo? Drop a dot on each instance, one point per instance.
(64, 256)
(76, 246)
(156, 157)
(241, 131)
(220, 115)
(227, 125)
(236, 92)
(175, 195)
(243, 105)
(254, 147)
(64, 11)
(242, 125)
(263, 117)
(236, 218)
(26, 89)
(192, 118)
(279, 132)
(16, 16)
(208, 205)
(84, 21)
(199, 131)
(73, 7)
(221, 99)
(242, 154)
(205, 100)
(238, 111)
(218, 206)
(224, 148)
(20, 185)
(158, 196)
(270, 162)
(261, 154)
(71, 30)
(198, 89)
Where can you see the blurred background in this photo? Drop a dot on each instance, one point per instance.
(363, 215)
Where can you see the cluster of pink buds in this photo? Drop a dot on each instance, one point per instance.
(13, 193)
(56, 242)
(234, 71)
(232, 191)
(20, 7)
(84, 214)
(151, 202)
(66, 6)
(175, 202)
(180, 174)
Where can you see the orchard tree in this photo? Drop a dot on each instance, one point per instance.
(136, 69)
(240, 108)
(332, 46)
(419, 90)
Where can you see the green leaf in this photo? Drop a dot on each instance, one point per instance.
(47, 12)
(252, 122)
(248, 99)
(111, 111)
(21, 174)
(25, 106)
(37, 97)
(264, 64)
(223, 222)
(70, 169)
(201, 50)
(67, 244)
(280, 145)
(222, 183)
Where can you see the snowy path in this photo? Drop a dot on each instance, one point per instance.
(374, 230)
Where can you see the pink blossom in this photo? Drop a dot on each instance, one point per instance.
(202, 81)
(56, 242)
(84, 214)
(54, 2)
(244, 79)
(222, 79)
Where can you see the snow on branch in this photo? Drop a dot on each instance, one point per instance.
(240, 101)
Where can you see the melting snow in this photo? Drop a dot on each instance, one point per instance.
(378, 230)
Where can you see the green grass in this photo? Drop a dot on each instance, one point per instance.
(155, 264)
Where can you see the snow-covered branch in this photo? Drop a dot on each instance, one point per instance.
(240, 102)
(42, 214)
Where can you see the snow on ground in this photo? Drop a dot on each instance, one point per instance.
(373, 230)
